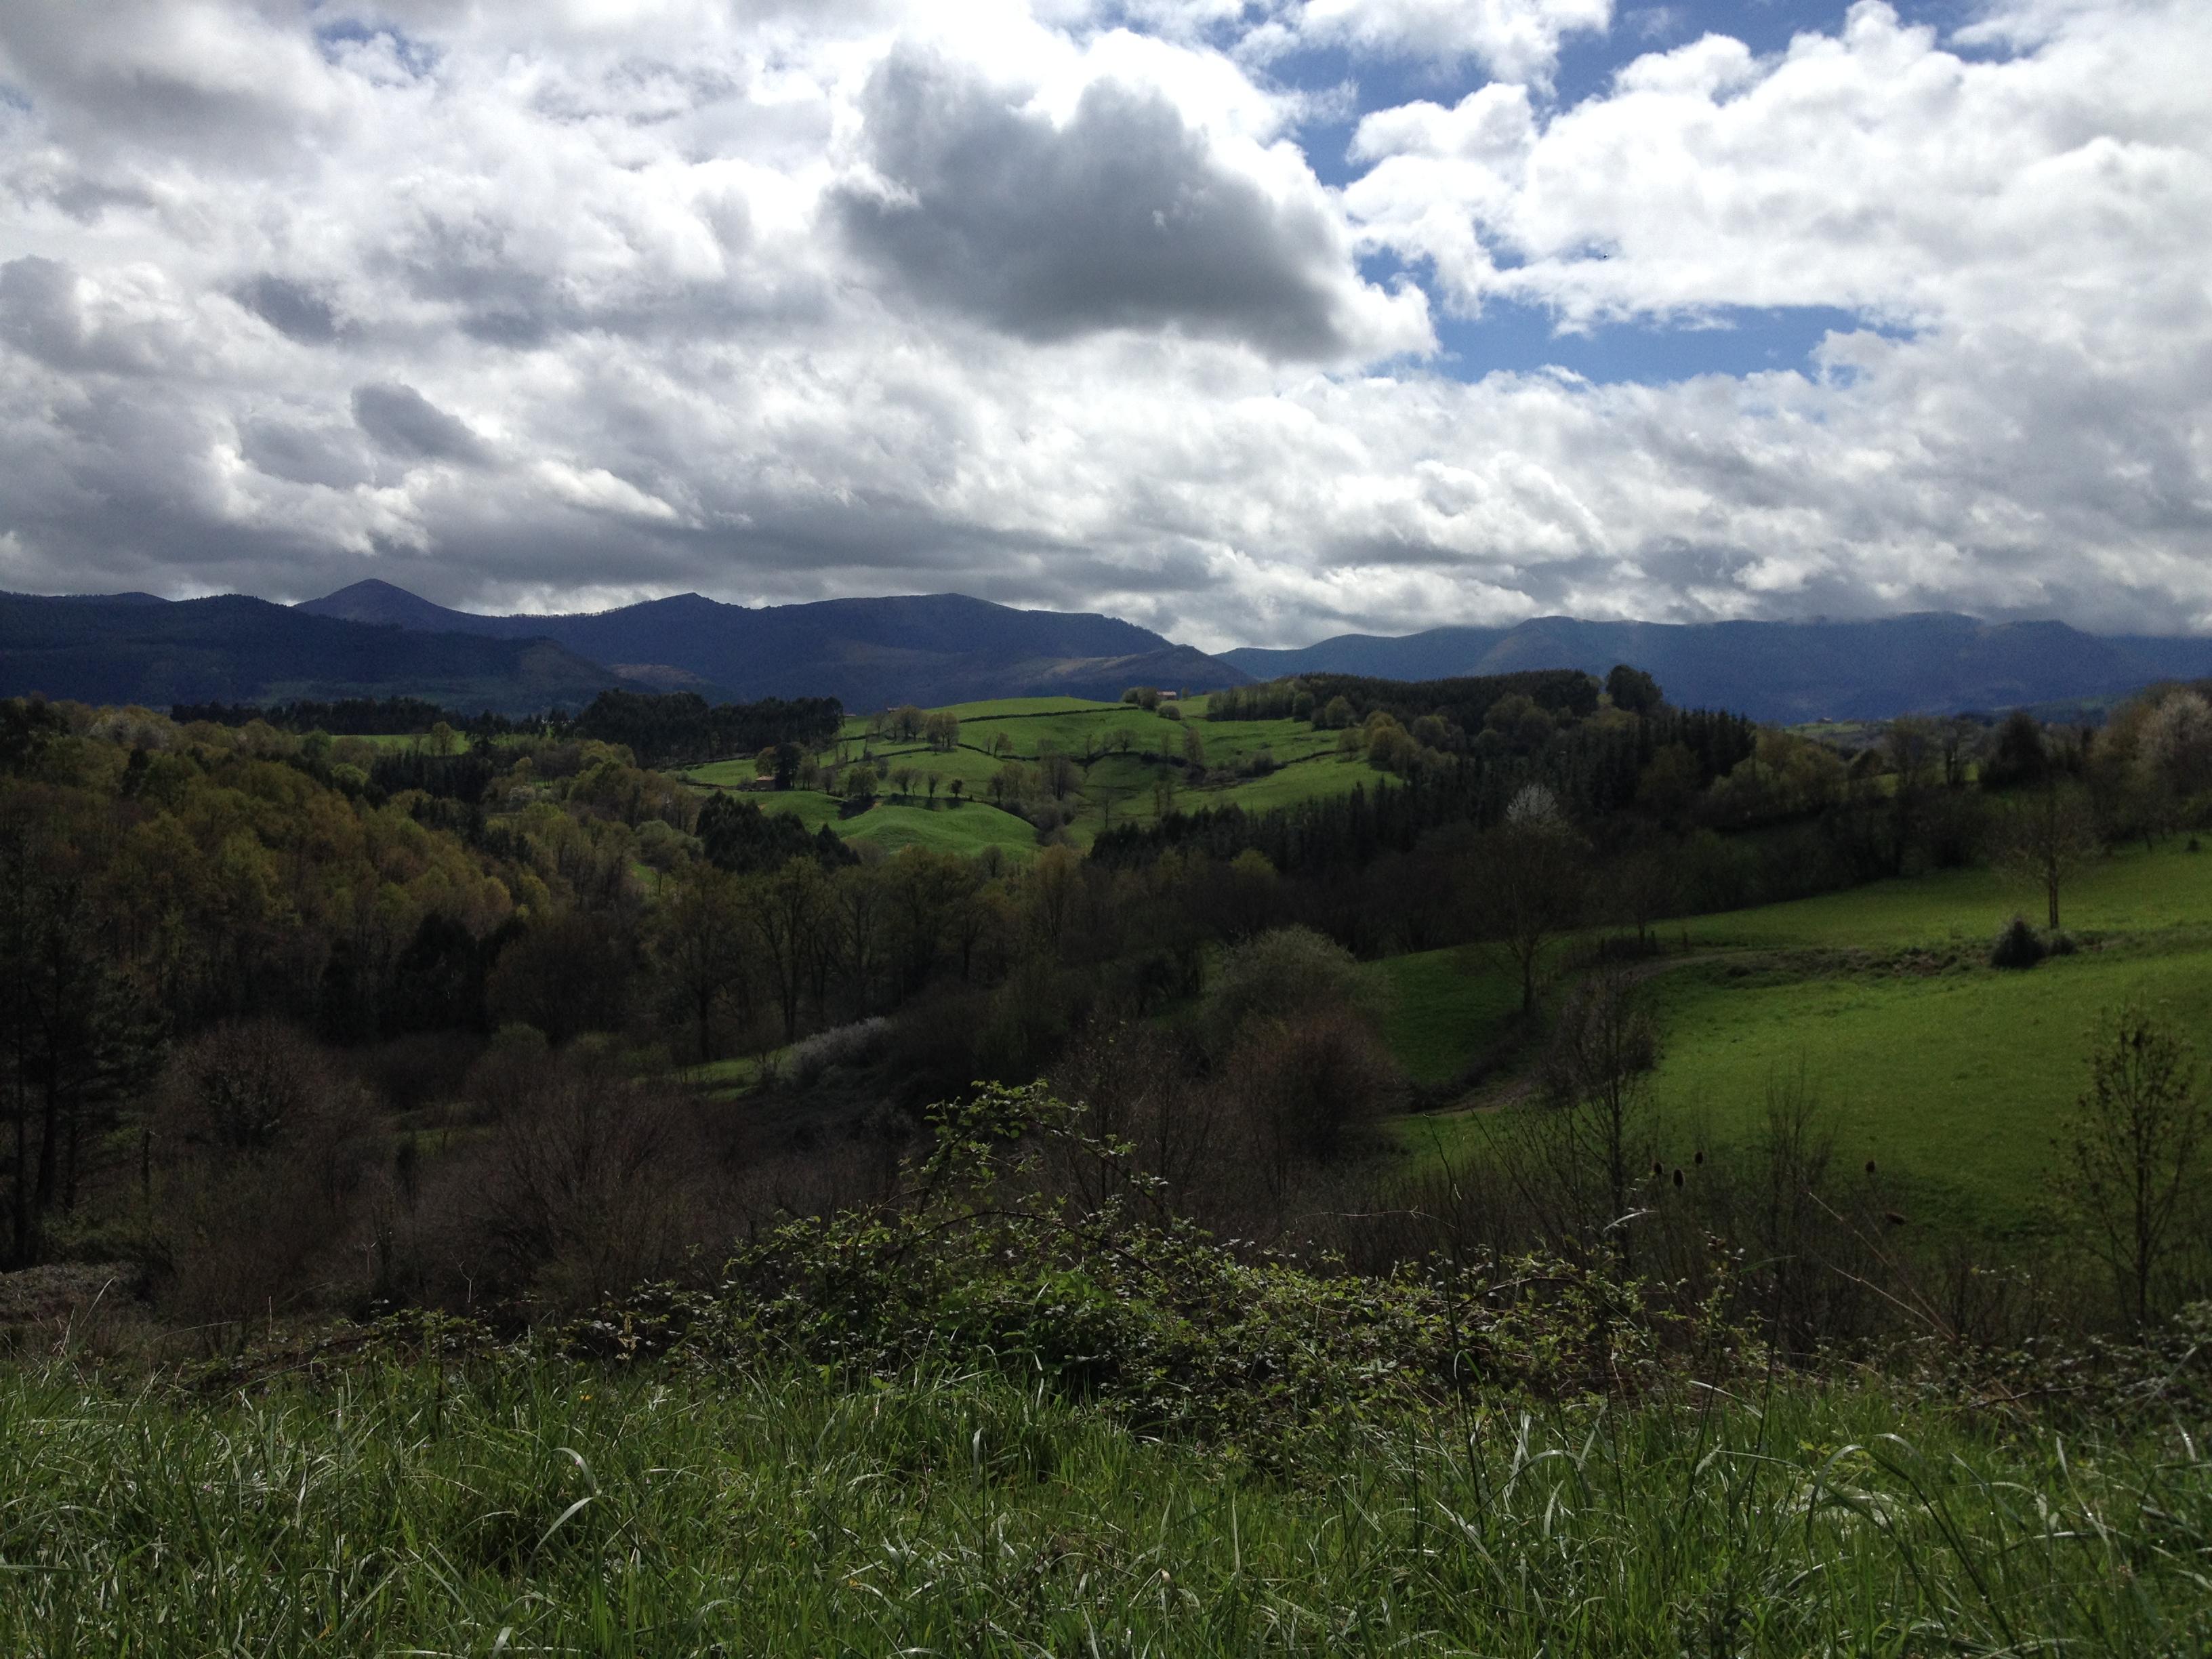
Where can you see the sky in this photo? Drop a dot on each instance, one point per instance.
(1253, 321)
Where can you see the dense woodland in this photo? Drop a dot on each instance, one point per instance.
(504, 1019)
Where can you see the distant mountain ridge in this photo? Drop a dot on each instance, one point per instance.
(1933, 662)
(135, 648)
(373, 638)
(925, 648)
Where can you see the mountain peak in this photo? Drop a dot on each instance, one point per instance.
(387, 605)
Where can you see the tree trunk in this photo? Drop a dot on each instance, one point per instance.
(49, 1146)
(22, 1242)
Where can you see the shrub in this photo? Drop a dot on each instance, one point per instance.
(586, 1191)
(1311, 1084)
(846, 1045)
(2017, 946)
(1281, 975)
(973, 1260)
(262, 1144)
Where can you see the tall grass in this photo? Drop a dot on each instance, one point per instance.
(552, 1508)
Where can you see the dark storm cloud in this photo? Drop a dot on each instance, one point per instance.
(293, 309)
(1121, 219)
(402, 421)
(303, 454)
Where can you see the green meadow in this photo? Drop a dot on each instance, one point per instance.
(537, 1507)
(1951, 1075)
(1125, 754)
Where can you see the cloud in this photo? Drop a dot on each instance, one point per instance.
(1123, 217)
(50, 313)
(304, 454)
(1873, 169)
(293, 309)
(1515, 41)
(400, 420)
(213, 82)
(559, 303)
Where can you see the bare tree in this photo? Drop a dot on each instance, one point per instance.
(1642, 885)
(698, 939)
(1595, 1080)
(2046, 839)
(2133, 1154)
(1524, 887)
(1955, 739)
(786, 911)
(1909, 743)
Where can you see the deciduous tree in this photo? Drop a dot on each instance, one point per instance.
(2047, 836)
(2133, 1155)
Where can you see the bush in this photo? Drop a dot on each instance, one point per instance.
(846, 1045)
(1312, 1086)
(263, 1145)
(586, 1190)
(975, 1260)
(1280, 974)
(2017, 946)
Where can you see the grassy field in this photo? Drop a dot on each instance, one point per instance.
(1447, 1008)
(966, 828)
(542, 1508)
(1118, 783)
(1952, 1076)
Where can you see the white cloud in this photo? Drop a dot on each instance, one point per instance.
(1514, 40)
(1872, 169)
(534, 304)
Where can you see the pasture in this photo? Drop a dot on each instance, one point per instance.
(1123, 755)
(1952, 1076)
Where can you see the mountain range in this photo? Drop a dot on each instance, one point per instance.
(931, 648)
(136, 648)
(373, 638)
(1786, 671)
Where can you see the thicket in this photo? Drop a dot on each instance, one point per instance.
(1015, 1399)
(681, 728)
(362, 717)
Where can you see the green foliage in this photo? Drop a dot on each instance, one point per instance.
(738, 836)
(976, 1259)
(1283, 974)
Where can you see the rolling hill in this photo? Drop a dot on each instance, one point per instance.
(1933, 662)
